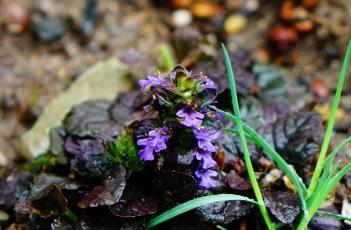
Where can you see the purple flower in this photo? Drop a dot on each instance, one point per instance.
(206, 159)
(147, 154)
(205, 133)
(207, 145)
(155, 142)
(192, 118)
(209, 84)
(151, 81)
(205, 177)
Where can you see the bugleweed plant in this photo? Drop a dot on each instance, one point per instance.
(325, 177)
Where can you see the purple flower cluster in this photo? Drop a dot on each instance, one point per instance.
(205, 137)
(190, 113)
(155, 142)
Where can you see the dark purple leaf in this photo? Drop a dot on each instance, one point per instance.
(216, 70)
(285, 206)
(224, 212)
(89, 157)
(51, 203)
(236, 182)
(139, 205)
(231, 147)
(24, 207)
(109, 193)
(91, 118)
(324, 223)
(97, 197)
(297, 137)
(44, 183)
(134, 203)
(181, 188)
(9, 184)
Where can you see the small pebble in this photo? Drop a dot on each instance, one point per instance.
(181, 3)
(252, 5)
(304, 26)
(319, 88)
(282, 38)
(271, 177)
(288, 183)
(4, 216)
(346, 210)
(325, 109)
(287, 11)
(181, 18)
(47, 29)
(14, 16)
(261, 55)
(235, 23)
(205, 9)
(3, 160)
(310, 3)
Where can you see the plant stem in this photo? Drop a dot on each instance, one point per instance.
(247, 159)
(321, 159)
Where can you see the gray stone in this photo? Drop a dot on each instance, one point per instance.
(104, 80)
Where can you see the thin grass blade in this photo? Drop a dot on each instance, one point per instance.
(321, 159)
(195, 203)
(167, 57)
(334, 215)
(244, 146)
(323, 193)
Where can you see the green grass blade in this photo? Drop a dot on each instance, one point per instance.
(334, 215)
(244, 146)
(330, 159)
(167, 57)
(195, 203)
(321, 159)
(322, 195)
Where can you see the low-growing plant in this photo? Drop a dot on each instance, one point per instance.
(325, 176)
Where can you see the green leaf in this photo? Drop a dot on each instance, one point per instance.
(195, 203)
(123, 151)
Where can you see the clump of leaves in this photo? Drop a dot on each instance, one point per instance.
(123, 151)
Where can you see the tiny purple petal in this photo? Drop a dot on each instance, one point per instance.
(160, 146)
(143, 141)
(204, 133)
(143, 84)
(151, 81)
(192, 118)
(207, 145)
(206, 158)
(219, 115)
(205, 177)
(146, 154)
(209, 84)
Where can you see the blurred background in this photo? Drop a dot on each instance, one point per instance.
(47, 44)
